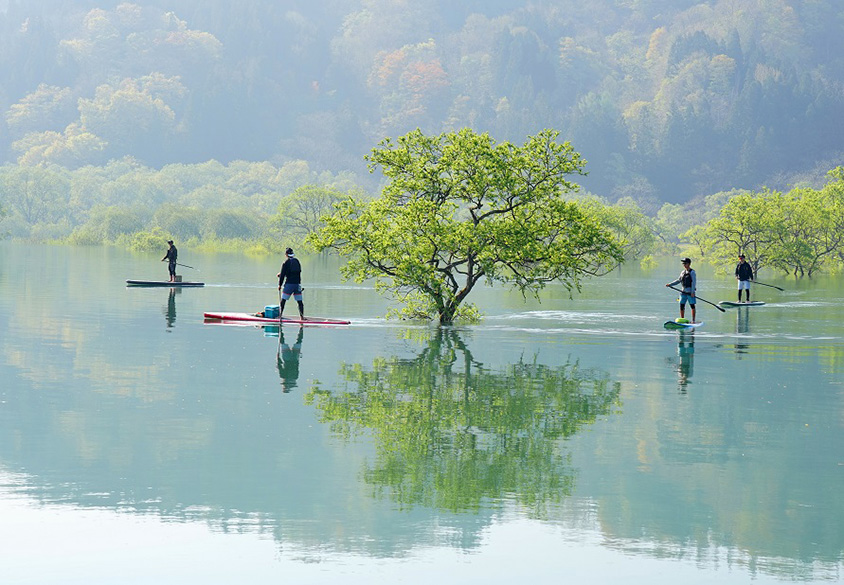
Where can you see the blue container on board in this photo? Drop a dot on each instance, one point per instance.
(271, 311)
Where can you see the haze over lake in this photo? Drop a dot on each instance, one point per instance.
(574, 439)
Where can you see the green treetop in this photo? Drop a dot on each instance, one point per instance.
(459, 208)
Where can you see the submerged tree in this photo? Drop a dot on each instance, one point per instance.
(743, 225)
(459, 209)
(800, 232)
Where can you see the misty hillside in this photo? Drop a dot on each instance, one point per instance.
(666, 99)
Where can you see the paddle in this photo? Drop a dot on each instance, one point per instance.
(771, 285)
(186, 266)
(700, 299)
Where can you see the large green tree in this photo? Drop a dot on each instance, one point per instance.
(459, 209)
(743, 225)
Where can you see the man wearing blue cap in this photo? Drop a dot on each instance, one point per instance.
(290, 283)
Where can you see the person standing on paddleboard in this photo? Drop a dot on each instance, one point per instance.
(688, 280)
(290, 283)
(171, 255)
(744, 274)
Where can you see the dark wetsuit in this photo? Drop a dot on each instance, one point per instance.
(290, 283)
(171, 255)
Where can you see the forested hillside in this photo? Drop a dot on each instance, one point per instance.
(665, 99)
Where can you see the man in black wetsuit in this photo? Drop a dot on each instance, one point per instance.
(171, 255)
(290, 283)
(744, 274)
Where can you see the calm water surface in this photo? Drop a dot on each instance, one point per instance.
(569, 441)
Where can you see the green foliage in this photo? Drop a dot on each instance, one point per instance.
(182, 222)
(416, 306)
(225, 224)
(800, 232)
(301, 212)
(149, 241)
(648, 262)
(70, 148)
(47, 108)
(632, 229)
(806, 230)
(742, 225)
(205, 201)
(106, 224)
(459, 209)
(35, 194)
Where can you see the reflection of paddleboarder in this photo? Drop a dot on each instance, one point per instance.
(686, 353)
(287, 360)
(743, 321)
(170, 313)
(742, 328)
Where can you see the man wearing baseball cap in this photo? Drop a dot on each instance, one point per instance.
(290, 283)
(171, 255)
(688, 280)
(744, 274)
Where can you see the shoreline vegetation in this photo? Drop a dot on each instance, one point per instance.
(259, 208)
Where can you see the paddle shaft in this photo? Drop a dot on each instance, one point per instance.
(763, 284)
(186, 266)
(700, 299)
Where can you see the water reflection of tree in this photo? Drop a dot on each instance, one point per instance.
(451, 433)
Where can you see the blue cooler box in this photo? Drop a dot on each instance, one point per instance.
(271, 311)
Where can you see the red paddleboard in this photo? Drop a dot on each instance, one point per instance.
(252, 318)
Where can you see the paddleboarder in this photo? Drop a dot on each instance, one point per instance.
(688, 280)
(290, 283)
(744, 274)
(171, 255)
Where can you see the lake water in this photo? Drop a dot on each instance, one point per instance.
(570, 441)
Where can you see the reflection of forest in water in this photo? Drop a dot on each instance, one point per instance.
(451, 436)
(452, 433)
(450, 439)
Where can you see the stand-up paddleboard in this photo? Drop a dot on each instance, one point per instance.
(211, 317)
(739, 304)
(676, 324)
(161, 283)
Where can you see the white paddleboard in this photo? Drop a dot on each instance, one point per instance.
(745, 304)
(675, 325)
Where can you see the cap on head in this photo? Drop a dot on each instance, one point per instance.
(741, 256)
(289, 251)
(686, 260)
(169, 241)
